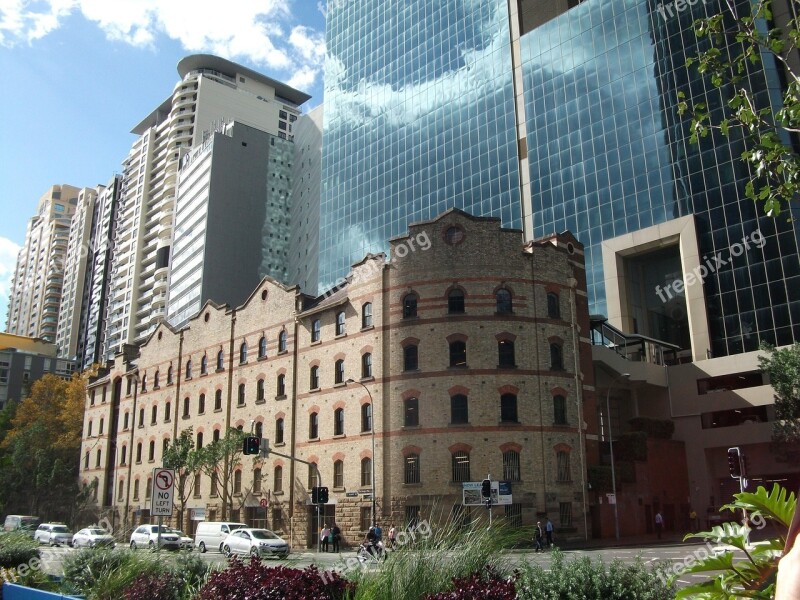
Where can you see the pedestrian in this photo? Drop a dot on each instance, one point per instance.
(392, 536)
(337, 536)
(378, 533)
(538, 535)
(659, 523)
(548, 529)
(324, 533)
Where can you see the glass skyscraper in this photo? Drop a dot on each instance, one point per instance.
(419, 117)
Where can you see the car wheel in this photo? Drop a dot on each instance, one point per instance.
(151, 545)
(133, 545)
(91, 544)
(202, 547)
(254, 553)
(226, 550)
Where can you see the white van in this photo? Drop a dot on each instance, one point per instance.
(210, 534)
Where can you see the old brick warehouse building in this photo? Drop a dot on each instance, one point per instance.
(468, 343)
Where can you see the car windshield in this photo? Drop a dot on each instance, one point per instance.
(29, 523)
(163, 529)
(60, 529)
(264, 534)
(98, 532)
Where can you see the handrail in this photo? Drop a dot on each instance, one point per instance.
(634, 347)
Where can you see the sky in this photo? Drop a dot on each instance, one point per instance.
(78, 75)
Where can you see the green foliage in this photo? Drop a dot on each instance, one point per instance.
(17, 549)
(654, 428)
(783, 368)
(104, 574)
(221, 459)
(774, 164)
(583, 578)
(182, 456)
(484, 584)
(753, 577)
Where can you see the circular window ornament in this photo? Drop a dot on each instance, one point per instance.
(264, 295)
(454, 235)
(570, 248)
(160, 333)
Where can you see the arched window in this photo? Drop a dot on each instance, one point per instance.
(553, 308)
(460, 466)
(185, 408)
(156, 378)
(144, 383)
(199, 443)
(505, 353)
(164, 446)
(169, 375)
(340, 330)
(123, 455)
(201, 404)
(256, 481)
(215, 435)
(277, 476)
(281, 387)
(556, 358)
(220, 360)
(366, 417)
(338, 421)
(218, 400)
(282, 341)
(189, 369)
(260, 390)
(237, 482)
(89, 430)
(315, 330)
(313, 378)
(279, 431)
(338, 474)
(241, 396)
(313, 426)
(262, 347)
(139, 452)
(455, 302)
(153, 417)
(259, 429)
(204, 365)
(559, 410)
(409, 306)
(167, 411)
(338, 371)
(562, 466)
(511, 470)
(243, 353)
(366, 315)
(459, 409)
(151, 453)
(366, 471)
(458, 354)
(141, 417)
(101, 426)
(508, 408)
(411, 412)
(503, 301)
(410, 358)
(366, 365)
(411, 472)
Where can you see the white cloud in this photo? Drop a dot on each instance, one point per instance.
(8, 262)
(263, 32)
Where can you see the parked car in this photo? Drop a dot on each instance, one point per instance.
(54, 534)
(92, 537)
(187, 543)
(255, 542)
(146, 536)
(211, 534)
(25, 523)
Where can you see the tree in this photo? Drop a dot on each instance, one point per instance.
(735, 44)
(220, 459)
(783, 368)
(182, 456)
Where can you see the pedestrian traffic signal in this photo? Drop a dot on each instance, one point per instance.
(735, 462)
(251, 445)
(486, 488)
(319, 495)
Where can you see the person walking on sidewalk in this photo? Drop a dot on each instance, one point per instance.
(336, 533)
(538, 536)
(659, 523)
(323, 537)
(548, 530)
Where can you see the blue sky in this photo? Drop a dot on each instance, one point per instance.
(78, 75)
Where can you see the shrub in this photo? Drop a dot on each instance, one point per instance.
(104, 574)
(17, 549)
(583, 578)
(256, 581)
(154, 586)
(485, 584)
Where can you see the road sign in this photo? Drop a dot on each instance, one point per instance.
(501, 493)
(163, 492)
(263, 503)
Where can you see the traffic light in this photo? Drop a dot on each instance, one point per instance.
(315, 495)
(486, 488)
(735, 462)
(319, 495)
(252, 445)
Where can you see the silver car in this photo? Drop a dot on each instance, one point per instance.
(54, 534)
(256, 543)
(146, 536)
(92, 537)
(187, 543)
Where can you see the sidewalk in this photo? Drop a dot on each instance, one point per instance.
(667, 539)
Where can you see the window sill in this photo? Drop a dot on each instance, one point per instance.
(168, 420)
(279, 444)
(410, 317)
(237, 494)
(456, 314)
(314, 439)
(502, 423)
(455, 424)
(316, 343)
(156, 387)
(201, 412)
(414, 370)
(241, 404)
(261, 401)
(339, 384)
(367, 432)
(365, 379)
(561, 425)
(152, 460)
(458, 367)
(413, 485)
(277, 493)
(242, 362)
(367, 327)
(340, 335)
(338, 488)
(282, 352)
(316, 389)
(506, 366)
(203, 374)
(195, 496)
(212, 495)
(184, 417)
(503, 313)
(189, 378)
(219, 370)
(140, 426)
(411, 426)
(217, 410)
(261, 358)
(280, 397)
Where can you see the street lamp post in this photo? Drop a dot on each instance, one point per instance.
(372, 426)
(611, 451)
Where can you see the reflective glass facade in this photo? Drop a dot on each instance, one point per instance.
(609, 155)
(419, 117)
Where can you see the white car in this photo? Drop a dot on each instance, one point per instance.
(146, 536)
(54, 534)
(92, 537)
(255, 542)
(187, 543)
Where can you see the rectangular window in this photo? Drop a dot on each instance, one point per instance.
(412, 516)
(365, 518)
(565, 514)
(277, 519)
(562, 468)
(513, 513)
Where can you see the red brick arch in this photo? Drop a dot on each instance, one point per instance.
(460, 447)
(338, 456)
(410, 394)
(559, 391)
(505, 336)
(409, 341)
(508, 389)
(511, 446)
(456, 337)
(562, 448)
(406, 451)
(458, 389)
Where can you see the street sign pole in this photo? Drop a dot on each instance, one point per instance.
(162, 497)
